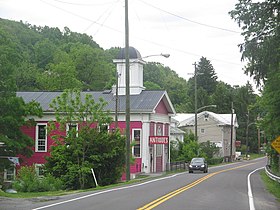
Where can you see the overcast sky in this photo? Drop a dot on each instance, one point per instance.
(185, 29)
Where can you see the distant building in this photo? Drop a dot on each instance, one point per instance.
(175, 132)
(212, 127)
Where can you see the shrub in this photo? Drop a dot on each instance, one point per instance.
(28, 181)
(215, 161)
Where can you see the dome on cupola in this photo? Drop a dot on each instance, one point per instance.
(133, 53)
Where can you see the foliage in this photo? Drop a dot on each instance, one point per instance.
(156, 77)
(88, 147)
(261, 30)
(13, 110)
(209, 149)
(271, 185)
(260, 24)
(206, 76)
(28, 181)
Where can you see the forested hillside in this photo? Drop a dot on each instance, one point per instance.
(43, 58)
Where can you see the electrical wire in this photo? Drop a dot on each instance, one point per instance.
(189, 20)
(84, 4)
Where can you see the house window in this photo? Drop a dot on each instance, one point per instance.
(72, 129)
(136, 134)
(41, 138)
(202, 130)
(10, 173)
(39, 168)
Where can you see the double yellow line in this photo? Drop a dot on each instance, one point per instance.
(166, 197)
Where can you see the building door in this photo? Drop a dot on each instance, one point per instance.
(159, 149)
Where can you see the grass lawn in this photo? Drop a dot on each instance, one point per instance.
(272, 186)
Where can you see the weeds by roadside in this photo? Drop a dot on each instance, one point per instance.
(272, 186)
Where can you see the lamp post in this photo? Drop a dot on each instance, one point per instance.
(195, 119)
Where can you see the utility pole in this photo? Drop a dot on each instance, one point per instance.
(247, 135)
(231, 131)
(117, 101)
(127, 94)
(195, 101)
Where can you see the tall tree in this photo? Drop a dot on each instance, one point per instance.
(222, 97)
(261, 30)
(206, 76)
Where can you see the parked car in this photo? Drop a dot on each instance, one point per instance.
(198, 164)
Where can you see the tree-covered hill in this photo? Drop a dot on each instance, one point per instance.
(45, 58)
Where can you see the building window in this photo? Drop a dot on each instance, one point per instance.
(104, 128)
(41, 138)
(159, 130)
(39, 168)
(136, 134)
(10, 173)
(72, 129)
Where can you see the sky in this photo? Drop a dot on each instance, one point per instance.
(185, 29)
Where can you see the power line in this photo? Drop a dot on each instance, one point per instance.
(85, 4)
(189, 20)
(79, 16)
(116, 30)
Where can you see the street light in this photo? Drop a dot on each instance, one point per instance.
(166, 55)
(195, 117)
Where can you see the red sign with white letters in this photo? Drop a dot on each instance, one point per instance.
(158, 139)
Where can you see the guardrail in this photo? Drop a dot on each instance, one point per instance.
(271, 175)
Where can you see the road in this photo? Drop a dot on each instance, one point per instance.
(225, 187)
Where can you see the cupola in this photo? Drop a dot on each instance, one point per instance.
(135, 69)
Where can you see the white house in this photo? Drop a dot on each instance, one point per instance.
(212, 127)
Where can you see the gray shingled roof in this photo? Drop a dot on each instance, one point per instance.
(145, 102)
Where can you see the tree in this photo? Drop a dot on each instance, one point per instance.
(60, 74)
(222, 97)
(206, 76)
(261, 30)
(92, 70)
(13, 111)
(87, 145)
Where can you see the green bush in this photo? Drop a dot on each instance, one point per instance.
(28, 181)
(214, 161)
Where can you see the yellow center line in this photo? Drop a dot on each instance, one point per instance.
(167, 196)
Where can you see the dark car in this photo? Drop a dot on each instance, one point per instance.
(198, 164)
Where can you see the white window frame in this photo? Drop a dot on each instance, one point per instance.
(106, 125)
(140, 142)
(73, 124)
(37, 138)
(39, 167)
(7, 175)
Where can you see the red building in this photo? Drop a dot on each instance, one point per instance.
(150, 118)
